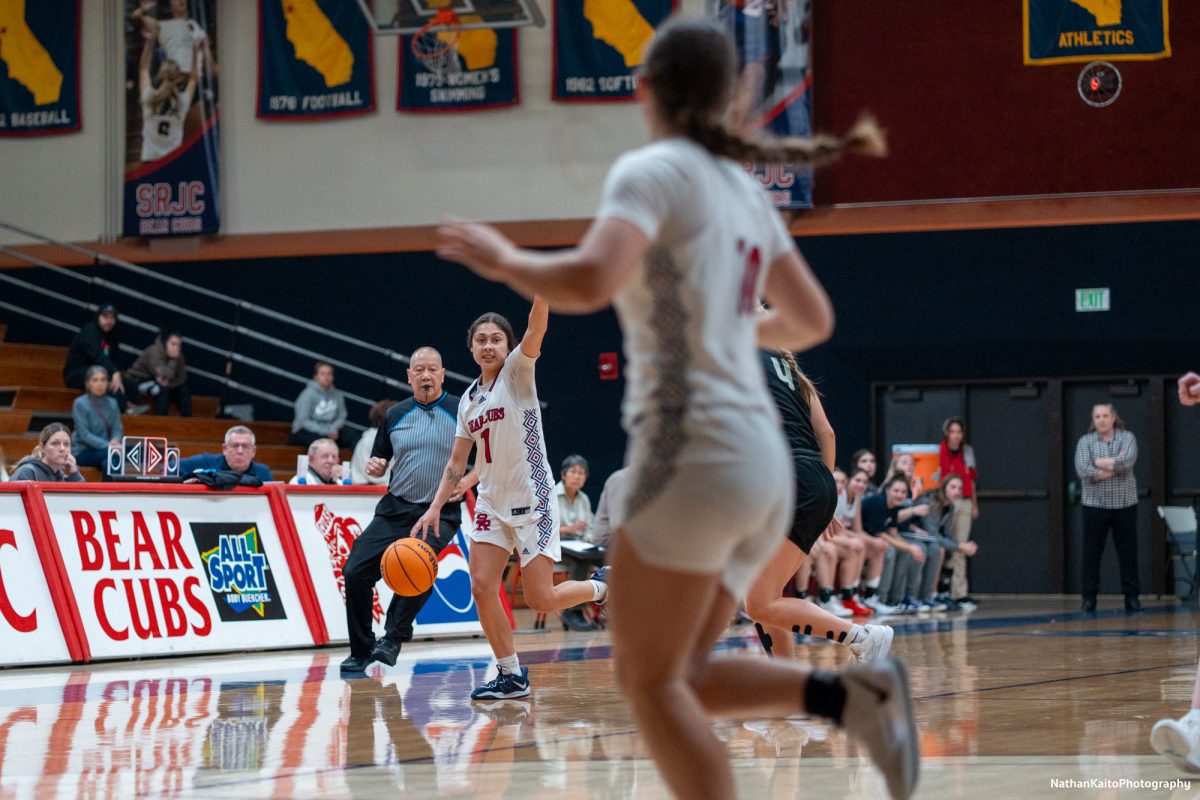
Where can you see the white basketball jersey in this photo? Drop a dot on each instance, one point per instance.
(688, 313)
(162, 124)
(504, 420)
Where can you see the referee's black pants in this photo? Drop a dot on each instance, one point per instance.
(1096, 524)
(394, 519)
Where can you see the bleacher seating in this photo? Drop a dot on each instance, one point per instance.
(32, 395)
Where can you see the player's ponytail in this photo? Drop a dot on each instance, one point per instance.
(804, 383)
(689, 68)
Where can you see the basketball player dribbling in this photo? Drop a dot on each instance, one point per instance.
(683, 244)
(516, 509)
(813, 444)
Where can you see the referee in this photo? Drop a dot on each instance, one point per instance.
(419, 433)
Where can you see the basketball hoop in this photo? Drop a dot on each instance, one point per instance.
(435, 45)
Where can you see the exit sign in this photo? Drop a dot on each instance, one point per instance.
(1092, 299)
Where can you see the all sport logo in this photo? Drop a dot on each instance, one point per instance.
(239, 574)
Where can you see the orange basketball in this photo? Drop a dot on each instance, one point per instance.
(409, 567)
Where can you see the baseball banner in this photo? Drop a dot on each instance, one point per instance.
(773, 38)
(30, 631)
(39, 67)
(468, 70)
(172, 181)
(328, 522)
(316, 59)
(598, 46)
(1062, 31)
(160, 572)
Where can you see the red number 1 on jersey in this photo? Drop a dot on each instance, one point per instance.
(747, 298)
(487, 445)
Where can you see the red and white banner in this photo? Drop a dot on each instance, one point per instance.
(327, 523)
(30, 632)
(176, 571)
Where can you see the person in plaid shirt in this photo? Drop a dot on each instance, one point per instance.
(1104, 459)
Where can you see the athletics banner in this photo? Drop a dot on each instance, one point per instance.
(316, 59)
(474, 71)
(39, 67)
(172, 185)
(1062, 31)
(598, 46)
(774, 40)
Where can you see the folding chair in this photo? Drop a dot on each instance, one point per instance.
(1181, 548)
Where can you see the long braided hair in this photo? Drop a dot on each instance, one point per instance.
(690, 68)
(804, 383)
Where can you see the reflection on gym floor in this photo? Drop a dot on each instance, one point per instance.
(1021, 694)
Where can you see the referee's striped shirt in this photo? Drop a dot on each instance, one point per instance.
(420, 436)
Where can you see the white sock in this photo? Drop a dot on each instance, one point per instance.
(599, 590)
(856, 635)
(509, 664)
(1193, 715)
(873, 583)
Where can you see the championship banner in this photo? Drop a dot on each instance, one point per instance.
(773, 39)
(471, 71)
(328, 522)
(316, 59)
(598, 46)
(176, 572)
(39, 67)
(30, 631)
(172, 181)
(1063, 31)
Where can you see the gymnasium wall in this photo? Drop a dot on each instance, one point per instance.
(915, 306)
(965, 118)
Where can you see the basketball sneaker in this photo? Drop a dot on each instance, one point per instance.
(834, 606)
(505, 686)
(878, 606)
(878, 713)
(875, 646)
(601, 575)
(855, 607)
(1179, 740)
(385, 652)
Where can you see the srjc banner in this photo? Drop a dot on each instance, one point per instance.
(773, 39)
(171, 154)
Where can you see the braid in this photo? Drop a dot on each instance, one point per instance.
(865, 138)
(807, 389)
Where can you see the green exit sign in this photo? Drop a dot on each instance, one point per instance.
(1092, 299)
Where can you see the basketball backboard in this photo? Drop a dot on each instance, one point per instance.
(396, 17)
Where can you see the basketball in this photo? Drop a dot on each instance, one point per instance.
(409, 567)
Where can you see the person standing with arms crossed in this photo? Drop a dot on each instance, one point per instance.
(419, 432)
(683, 245)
